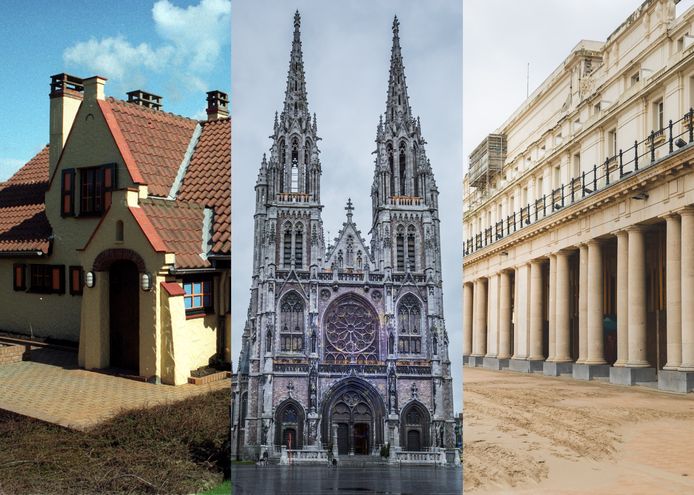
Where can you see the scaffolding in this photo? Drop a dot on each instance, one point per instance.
(487, 160)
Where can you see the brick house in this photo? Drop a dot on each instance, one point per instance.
(116, 235)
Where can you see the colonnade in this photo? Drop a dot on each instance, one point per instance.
(499, 326)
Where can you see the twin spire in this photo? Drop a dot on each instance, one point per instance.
(296, 98)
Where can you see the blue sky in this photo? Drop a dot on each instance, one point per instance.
(346, 47)
(178, 49)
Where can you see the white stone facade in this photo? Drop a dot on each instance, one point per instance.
(578, 249)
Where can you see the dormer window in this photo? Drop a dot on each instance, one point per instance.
(96, 186)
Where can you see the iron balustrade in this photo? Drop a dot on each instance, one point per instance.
(622, 165)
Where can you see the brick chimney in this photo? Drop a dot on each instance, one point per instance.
(65, 99)
(217, 105)
(145, 99)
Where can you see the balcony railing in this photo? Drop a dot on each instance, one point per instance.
(616, 168)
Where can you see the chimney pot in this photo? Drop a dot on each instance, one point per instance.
(217, 105)
(66, 85)
(65, 100)
(145, 99)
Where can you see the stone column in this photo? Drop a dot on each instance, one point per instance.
(583, 304)
(551, 311)
(595, 347)
(622, 298)
(535, 351)
(467, 319)
(504, 315)
(687, 281)
(673, 274)
(562, 318)
(637, 298)
(492, 315)
(480, 337)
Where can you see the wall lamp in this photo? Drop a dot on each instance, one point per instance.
(89, 279)
(146, 281)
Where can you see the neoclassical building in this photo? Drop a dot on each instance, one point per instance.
(345, 346)
(579, 215)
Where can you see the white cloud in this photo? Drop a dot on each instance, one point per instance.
(198, 31)
(117, 57)
(192, 39)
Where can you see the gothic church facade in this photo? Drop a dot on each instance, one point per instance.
(345, 346)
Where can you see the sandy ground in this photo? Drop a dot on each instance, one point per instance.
(534, 434)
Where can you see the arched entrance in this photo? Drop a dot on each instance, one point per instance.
(124, 311)
(289, 424)
(356, 410)
(414, 427)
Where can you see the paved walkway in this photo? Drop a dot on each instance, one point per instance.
(52, 388)
(310, 480)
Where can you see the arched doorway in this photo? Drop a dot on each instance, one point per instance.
(289, 424)
(124, 319)
(356, 410)
(414, 427)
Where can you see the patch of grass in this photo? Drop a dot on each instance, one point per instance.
(181, 447)
(223, 489)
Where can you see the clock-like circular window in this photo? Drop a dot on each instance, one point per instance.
(351, 330)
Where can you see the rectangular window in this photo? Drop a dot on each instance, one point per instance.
(20, 271)
(76, 280)
(96, 186)
(612, 143)
(47, 279)
(198, 297)
(577, 165)
(67, 207)
(658, 121)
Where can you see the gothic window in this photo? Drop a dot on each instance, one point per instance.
(295, 166)
(307, 155)
(391, 344)
(268, 341)
(410, 249)
(350, 251)
(409, 325)
(359, 260)
(403, 169)
(435, 346)
(391, 165)
(340, 259)
(292, 323)
(287, 246)
(351, 330)
(283, 162)
(400, 248)
(299, 247)
(313, 341)
(414, 168)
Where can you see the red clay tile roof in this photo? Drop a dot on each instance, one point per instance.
(173, 289)
(208, 180)
(156, 140)
(179, 224)
(23, 223)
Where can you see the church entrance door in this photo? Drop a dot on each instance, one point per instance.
(413, 440)
(343, 438)
(361, 438)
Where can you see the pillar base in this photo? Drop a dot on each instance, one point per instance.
(525, 365)
(632, 376)
(590, 371)
(493, 363)
(676, 381)
(475, 361)
(466, 360)
(551, 368)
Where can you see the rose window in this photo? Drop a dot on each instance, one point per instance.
(351, 331)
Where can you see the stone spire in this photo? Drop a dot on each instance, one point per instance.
(295, 98)
(397, 103)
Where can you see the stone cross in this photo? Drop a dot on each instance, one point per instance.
(349, 209)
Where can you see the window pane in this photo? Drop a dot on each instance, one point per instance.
(197, 288)
(189, 302)
(188, 288)
(197, 301)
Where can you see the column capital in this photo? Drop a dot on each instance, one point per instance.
(685, 211)
(671, 215)
(637, 227)
(594, 242)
